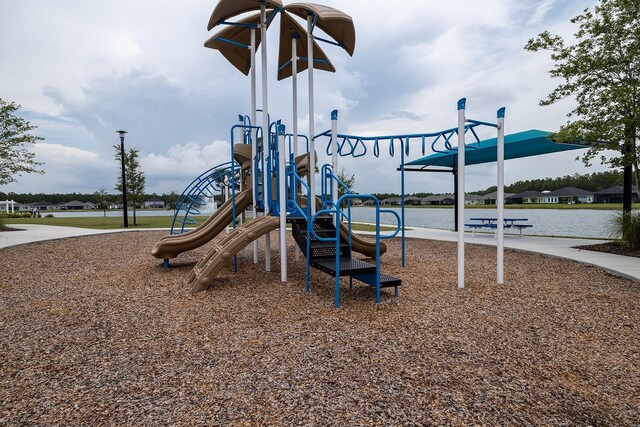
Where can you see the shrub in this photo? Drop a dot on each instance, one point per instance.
(15, 215)
(626, 226)
(48, 216)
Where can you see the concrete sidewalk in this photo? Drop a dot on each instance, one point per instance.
(559, 247)
(623, 266)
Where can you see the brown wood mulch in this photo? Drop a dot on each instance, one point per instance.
(612, 248)
(94, 332)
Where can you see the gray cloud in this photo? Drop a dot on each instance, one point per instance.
(87, 69)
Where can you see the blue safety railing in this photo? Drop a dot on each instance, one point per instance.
(338, 214)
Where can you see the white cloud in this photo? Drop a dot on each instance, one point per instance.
(86, 69)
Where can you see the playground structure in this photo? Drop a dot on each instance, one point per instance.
(267, 172)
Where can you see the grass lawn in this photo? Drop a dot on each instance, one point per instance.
(110, 223)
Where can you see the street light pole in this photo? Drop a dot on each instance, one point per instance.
(122, 133)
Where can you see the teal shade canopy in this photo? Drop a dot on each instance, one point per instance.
(522, 144)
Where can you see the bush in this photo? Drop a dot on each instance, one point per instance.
(48, 216)
(15, 215)
(626, 226)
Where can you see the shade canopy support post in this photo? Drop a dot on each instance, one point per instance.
(294, 84)
(500, 197)
(266, 180)
(254, 141)
(460, 217)
(402, 184)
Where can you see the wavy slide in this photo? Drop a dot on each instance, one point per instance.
(219, 255)
(362, 246)
(171, 246)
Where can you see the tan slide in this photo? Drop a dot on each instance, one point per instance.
(171, 246)
(362, 246)
(223, 251)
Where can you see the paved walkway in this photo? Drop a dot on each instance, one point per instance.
(628, 267)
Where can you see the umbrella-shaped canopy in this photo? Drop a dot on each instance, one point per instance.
(225, 41)
(229, 8)
(289, 28)
(338, 25)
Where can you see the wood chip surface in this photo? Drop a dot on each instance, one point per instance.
(94, 332)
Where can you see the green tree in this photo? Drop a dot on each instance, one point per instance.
(171, 199)
(15, 136)
(135, 178)
(102, 200)
(348, 180)
(602, 71)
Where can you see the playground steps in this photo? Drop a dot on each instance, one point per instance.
(322, 255)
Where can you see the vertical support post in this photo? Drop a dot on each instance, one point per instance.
(334, 161)
(312, 145)
(455, 198)
(254, 141)
(266, 180)
(402, 148)
(500, 196)
(461, 161)
(294, 83)
(282, 199)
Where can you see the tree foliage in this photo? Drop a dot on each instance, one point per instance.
(135, 177)
(102, 200)
(601, 69)
(348, 180)
(15, 137)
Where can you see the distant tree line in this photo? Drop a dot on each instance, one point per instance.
(596, 181)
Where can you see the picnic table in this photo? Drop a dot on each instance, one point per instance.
(493, 223)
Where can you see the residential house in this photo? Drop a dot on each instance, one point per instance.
(154, 204)
(491, 198)
(615, 195)
(42, 206)
(524, 198)
(439, 200)
(412, 200)
(391, 201)
(76, 206)
(472, 199)
(567, 195)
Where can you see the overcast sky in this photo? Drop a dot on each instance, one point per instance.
(84, 69)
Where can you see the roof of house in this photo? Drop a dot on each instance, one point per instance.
(73, 203)
(42, 203)
(617, 189)
(528, 193)
(392, 200)
(473, 197)
(570, 192)
(154, 201)
(438, 197)
(495, 194)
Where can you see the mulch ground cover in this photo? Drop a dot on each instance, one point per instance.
(94, 332)
(612, 248)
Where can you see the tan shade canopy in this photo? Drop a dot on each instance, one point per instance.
(289, 27)
(335, 23)
(229, 8)
(239, 56)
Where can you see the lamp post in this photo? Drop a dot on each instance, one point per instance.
(122, 133)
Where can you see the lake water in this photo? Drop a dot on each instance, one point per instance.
(546, 222)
